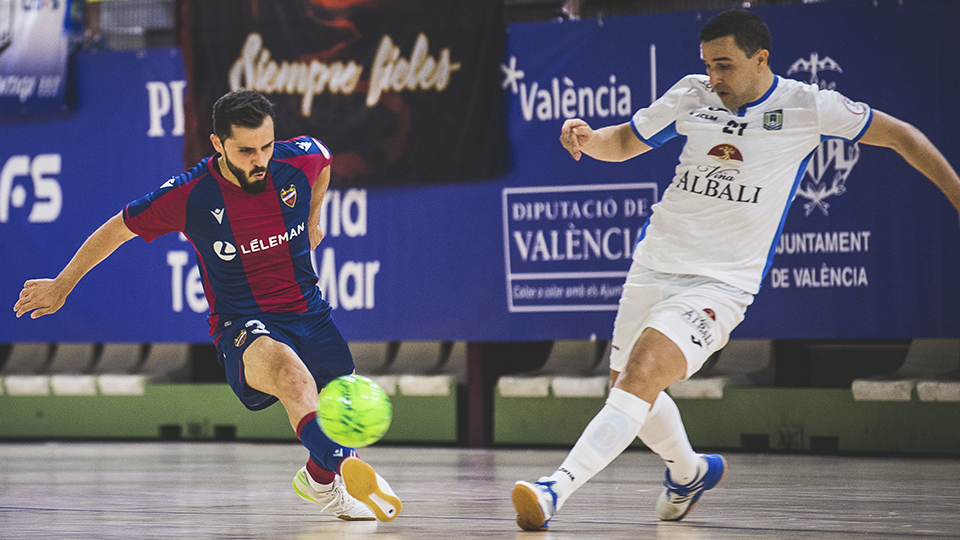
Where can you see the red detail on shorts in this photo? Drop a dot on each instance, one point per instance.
(318, 473)
(303, 421)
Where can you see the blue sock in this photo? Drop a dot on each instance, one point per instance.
(323, 451)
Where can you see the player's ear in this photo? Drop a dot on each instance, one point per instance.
(217, 145)
(763, 58)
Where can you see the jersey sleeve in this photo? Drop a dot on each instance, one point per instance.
(842, 118)
(317, 154)
(657, 124)
(161, 211)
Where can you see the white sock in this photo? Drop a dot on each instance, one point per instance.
(607, 435)
(317, 486)
(663, 432)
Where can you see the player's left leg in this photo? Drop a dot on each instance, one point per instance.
(272, 367)
(326, 355)
(698, 319)
(260, 358)
(688, 473)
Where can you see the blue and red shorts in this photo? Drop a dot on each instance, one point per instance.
(313, 337)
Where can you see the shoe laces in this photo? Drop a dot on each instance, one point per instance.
(337, 492)
(677, 491)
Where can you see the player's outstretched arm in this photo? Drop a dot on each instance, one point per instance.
(611, 143)
(919, 152)
(46, 296)
(317, 194)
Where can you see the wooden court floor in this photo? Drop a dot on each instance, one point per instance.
(241, 491)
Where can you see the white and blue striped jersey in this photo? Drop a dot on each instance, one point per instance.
(739, 170)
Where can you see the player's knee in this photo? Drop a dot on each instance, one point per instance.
(648, 369)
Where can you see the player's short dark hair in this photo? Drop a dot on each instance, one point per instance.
(749, 31)
(242, 108)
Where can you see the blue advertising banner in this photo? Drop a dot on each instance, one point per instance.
(565, 245)
(33, 57)
(870, 248)
(62, 179)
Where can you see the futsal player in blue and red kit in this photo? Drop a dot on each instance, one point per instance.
(252, 212)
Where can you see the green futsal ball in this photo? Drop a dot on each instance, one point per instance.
(353, 411)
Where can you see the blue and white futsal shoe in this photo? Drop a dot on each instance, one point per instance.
(535, 503)
(676, 501)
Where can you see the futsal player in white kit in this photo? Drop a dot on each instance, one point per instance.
(708, 244)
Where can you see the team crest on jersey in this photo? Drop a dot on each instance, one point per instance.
(289, 195)
(726, 152)
(241, 338)
(773, 120)
(710, 313)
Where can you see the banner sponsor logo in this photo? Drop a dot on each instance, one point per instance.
(562, 98)
(346, 284)
(814, 66)
(568, 248)
(390, 71)
(7, 8)
(46, 200)
(826, 174)
(400, 90)
(33, 57)
(165, 98)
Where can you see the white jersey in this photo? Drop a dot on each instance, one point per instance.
(739, 170)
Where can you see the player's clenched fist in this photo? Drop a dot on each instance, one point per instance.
(574, 135)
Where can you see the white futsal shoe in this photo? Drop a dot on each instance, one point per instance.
(535, 503)
(676, 501)
(370, 488)
(341, 503)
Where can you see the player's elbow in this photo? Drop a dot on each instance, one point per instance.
(895, 134)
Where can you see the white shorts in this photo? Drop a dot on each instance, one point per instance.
(697, 313)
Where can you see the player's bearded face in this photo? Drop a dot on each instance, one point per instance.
(253, 181)
(247, 154)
